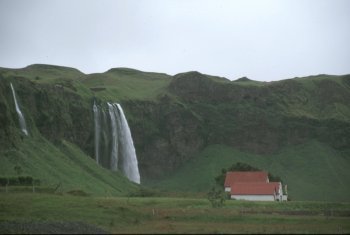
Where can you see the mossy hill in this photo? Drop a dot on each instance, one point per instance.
(297, 128)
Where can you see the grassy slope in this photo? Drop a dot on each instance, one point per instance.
(69, 78)
(44, 73)
(176, 215)
(123, 83)
(312, 171)
(65, 164)
(313, 100)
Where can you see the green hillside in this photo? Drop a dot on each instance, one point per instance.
(308, 170)
(43, 73)
(124, 83)
(297, 128)
(65, 165)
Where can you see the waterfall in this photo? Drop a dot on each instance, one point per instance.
(114, 150)
(114, 147)
(104, 149)
(97, 132)
(22, 121)
(130, 164)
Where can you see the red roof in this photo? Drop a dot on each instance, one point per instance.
(255, 188)
(245, 176)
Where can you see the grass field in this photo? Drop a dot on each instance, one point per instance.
(172, 215)
(312, 171)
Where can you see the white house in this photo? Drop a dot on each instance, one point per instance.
(253, 186)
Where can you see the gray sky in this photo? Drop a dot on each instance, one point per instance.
(262, 39)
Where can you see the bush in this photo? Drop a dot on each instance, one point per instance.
(216, 197)
(25, 180)
(3, 181)
(18, 181)
(13, 181)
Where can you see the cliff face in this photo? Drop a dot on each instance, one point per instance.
(200, 111)
(184, 114)
(8, 138)
(165, 135)
(53, 110)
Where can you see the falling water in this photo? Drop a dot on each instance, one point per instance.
(114, 151)
(114, 146)
(97, 132)
(22, 121)
(130, 165)
(104, 145)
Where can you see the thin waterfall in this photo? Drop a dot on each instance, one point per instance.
(22, 121)
(114, 147)
(104, 147)
(97, 132)
(114, 150)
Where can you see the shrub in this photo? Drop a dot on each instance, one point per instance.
(18, 180)
(25, 180)
(13, 181)
(216, 197)
(3, 181)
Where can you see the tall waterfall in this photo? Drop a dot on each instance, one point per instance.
(97, 131)
(114, 147)
(22, 121)
(130, 164)
(114, 151)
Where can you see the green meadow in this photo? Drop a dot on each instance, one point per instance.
(168, 215)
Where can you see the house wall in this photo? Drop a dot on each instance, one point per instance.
(280, 193)
(227, 189)
(254, 197)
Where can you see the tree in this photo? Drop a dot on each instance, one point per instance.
(216, 197)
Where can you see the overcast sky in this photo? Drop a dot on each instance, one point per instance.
(262, 39)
